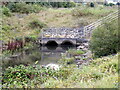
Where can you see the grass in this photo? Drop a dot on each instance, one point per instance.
(75, 52)
(61, 17)
(92, 76)
(100, 73)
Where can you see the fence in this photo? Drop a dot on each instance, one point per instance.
(88, 29)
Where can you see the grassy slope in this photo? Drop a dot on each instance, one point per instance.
(53, 18)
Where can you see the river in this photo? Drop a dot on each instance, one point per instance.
(43, 54)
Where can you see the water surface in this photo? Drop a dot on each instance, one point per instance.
(43, 54)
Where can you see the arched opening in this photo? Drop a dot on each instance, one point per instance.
(51, 45)
(67, 45)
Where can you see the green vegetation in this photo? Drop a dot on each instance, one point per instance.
(98, 12)
(101, 73)
(92, 4)
(57, 4)
(105, 39)
(84, 15)
(65, 60)
(19, 25)
(25, 76)
(24, 8)
(110, 4)
(75, 52)
(37, 24)
(25, 21)
(6, 11)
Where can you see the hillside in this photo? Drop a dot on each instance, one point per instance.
(18, 25)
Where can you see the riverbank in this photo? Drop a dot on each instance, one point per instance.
(100, 73)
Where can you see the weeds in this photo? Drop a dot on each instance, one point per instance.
(6, 11)
(37, 24)
(104, 72)
(75, 52)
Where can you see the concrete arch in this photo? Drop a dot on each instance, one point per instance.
(59, 41)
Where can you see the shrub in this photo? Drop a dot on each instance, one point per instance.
(24, 8)
(21, 8)
(11, 6)
(6, 28)
(104, 40)
(58, 4)
(81, 22)
(106, 4)
(24, 76)
(78, 12)
(36, 8)
(37, 24)
(118, 3)
(91, 4)
(31, 38)
(111, 4)
(6, 11)
(71, 4)
(66, 60)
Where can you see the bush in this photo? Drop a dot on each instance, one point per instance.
(66, 60)
(21, 8)
(81, 22)
(104, 40)
(6, 28)
(29, 76)
(111, 4)
(24, 74)
(58, 4)
(37, 24)
(118, 3)
(78, 12)
(91, 4)
(31, 38)
(36, 8)
(24, 8)
(6, 11)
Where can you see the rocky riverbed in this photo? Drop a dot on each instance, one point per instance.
(81, 59)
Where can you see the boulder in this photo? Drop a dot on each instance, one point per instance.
(80, 47)
(53, 66)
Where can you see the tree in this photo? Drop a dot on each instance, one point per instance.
(104, 40)
(91, 4)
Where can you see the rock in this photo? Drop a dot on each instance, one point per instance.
(86, 44)
(80, 47)
(77, 57)
(84, 49)
(79, 63)
(53, 66)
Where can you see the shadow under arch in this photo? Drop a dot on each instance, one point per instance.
(51, 45)
(67, 45)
